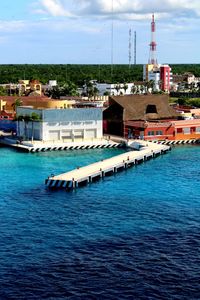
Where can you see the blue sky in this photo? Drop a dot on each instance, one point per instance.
(79, 31)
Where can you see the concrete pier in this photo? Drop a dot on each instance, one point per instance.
(84, 175)
(39, 146)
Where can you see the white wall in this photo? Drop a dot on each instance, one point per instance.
(62, 124)
(111, 88)
(156, 78)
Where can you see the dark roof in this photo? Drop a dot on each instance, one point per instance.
(144, 107)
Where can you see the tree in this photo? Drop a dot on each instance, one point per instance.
(90, 89)
(67, 89)
(3, 91)
(117, 87)
(142, 89)
(125, 87)
(18, 102)
(27, 119)
(34, 118)
(182, 101)
(134, 89)
(18, 119)
(150, 85)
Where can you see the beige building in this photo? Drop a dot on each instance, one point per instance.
(8, 102)
(30, 86)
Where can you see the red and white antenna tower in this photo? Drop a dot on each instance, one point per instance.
(152, 56)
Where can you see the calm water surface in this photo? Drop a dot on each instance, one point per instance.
(135, 235)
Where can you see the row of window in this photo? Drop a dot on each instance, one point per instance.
(186, 130)
(158, 132)
(70, 123)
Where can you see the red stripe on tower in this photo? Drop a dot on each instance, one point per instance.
(152, 56)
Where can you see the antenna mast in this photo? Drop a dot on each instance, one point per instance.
(112, 45)
(152, 57)
(130, 48)
(135, 47)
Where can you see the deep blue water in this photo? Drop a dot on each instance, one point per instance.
(135, 235)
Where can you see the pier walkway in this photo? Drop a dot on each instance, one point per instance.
(39, 146)
(95, 171)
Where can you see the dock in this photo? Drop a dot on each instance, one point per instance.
(143, 151)
(39, 146)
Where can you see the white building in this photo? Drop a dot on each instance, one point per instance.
(114, 89)
(161, 75)
(60, 124)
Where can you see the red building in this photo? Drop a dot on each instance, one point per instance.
(165, 83)
(171, 130)
(6, 116)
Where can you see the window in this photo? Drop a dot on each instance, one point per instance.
(150, 132)
(52, 124)
(151, 109)
(179, 130)
(186, 130)
(159, 132)
(64, 123)
(88, 122)
(76, 123)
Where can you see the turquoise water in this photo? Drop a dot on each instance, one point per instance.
(134, 235)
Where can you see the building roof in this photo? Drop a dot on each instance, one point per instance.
(145, 107)
(24, 98)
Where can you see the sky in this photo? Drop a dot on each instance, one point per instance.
(80, 31)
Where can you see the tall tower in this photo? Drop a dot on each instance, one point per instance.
(135, 47)
(130, 48)
(152, 56)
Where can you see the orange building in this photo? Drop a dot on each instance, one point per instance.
(149, 117)
(171, 130)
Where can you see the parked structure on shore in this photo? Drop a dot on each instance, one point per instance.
(88, 174)
(59, 124)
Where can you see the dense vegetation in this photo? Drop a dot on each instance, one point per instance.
(195, 102)
(69, 77)
(183, 68)
(77, 74)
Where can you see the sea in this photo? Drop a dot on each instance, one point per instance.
(134, 235)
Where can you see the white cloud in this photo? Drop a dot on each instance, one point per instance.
(133, 9)
(55, 8)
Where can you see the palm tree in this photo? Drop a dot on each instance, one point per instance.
(34, 118)
(117, 87)
(142, 89)
(27, 119)
(150, 85)
(18, 119)
(18, 102)
(133, 89)
(125, 87)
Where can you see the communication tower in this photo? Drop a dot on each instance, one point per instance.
(130, 47)
(135, 47)
(152, 56)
